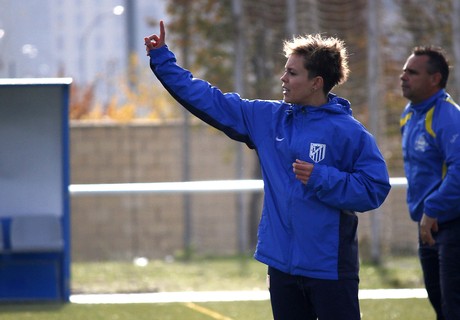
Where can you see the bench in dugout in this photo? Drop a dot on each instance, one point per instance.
(31, 250)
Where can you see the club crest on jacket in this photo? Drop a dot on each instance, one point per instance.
(317, 151)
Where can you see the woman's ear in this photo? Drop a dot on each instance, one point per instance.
(318, 82)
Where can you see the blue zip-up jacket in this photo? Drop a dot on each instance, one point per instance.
(307, 230)
(431, 151)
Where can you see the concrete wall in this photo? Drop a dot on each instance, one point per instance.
(123, 227)
(119, 227)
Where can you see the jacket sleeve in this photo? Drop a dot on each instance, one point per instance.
(208, 103)
(363, 189)
(447, 197)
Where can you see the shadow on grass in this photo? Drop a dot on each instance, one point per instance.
(32, 307)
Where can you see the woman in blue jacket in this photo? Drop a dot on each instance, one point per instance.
(319, 166)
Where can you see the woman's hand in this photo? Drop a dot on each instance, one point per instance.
(302, 170)
(154, 41)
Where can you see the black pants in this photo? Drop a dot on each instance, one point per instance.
(303, 298)
(441, 271)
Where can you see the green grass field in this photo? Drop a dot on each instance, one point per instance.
(207, 274)
(210, 274)
(408, 309)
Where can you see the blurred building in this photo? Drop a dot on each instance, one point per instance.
(87, 40)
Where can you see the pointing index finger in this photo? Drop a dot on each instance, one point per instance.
(162, 31)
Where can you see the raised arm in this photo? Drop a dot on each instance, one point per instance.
(154, 41)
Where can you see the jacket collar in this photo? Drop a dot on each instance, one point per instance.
(335, 104)
(425, 105)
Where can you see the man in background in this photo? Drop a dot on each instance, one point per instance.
(430, 127)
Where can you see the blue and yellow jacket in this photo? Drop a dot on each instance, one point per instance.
(307, 230)
(431, 151)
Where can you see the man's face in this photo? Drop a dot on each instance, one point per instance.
(416, 83)
(297, 87)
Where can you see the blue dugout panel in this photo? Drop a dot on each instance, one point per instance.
(34, 190)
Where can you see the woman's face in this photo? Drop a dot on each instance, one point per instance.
(297, 87)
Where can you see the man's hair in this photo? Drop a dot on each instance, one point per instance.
(323, 56)
(437, 61)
